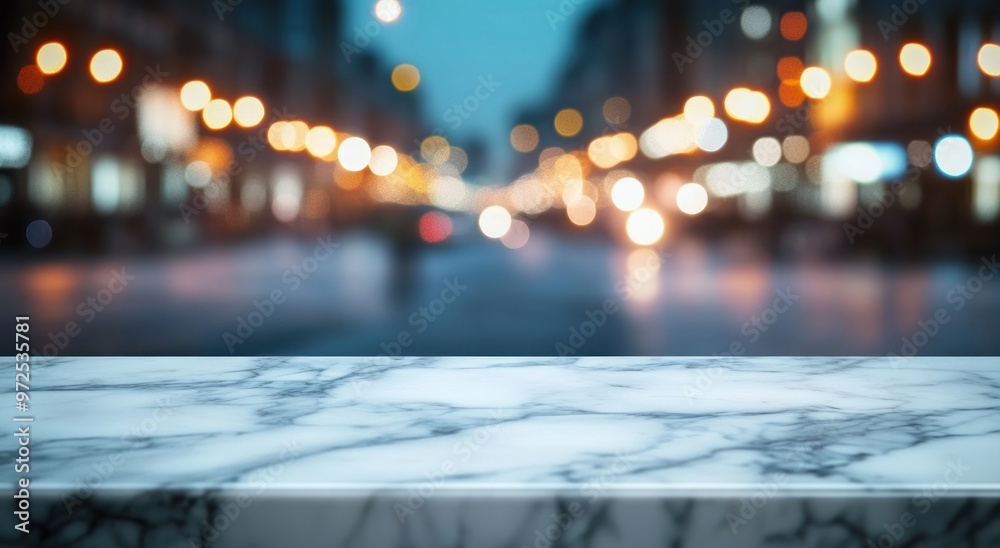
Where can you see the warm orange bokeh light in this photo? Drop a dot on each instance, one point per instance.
(915, 59)
(794, 25)
(568, 122)
(790, 69)
(790, 94)
(984, 123)
(51, 58)
(860, 65)
(30, 80)
(106, 65)
(405, 77)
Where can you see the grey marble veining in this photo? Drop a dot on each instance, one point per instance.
(493, 451)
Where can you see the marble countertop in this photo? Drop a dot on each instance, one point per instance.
(662, 424)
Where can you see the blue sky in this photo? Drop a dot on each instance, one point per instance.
(455, 43)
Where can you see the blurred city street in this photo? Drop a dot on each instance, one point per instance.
(692, 301)
(532, 177)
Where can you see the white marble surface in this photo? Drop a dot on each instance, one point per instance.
(681, 425)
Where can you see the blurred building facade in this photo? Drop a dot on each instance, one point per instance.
(123, 181)
(657, 55)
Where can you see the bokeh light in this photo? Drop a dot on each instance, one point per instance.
(384, 160)
(51, 58)
(405, 77)
(860, 65)
(794, 25)
(434, 227)
(953, 155)
(293, 135)
(712, 135)
(30, 79)
(38, 233)
(920, 153)
(248, 111)
(989, 59)
(692, 198)
(195, 95)
(816, 82)
(524, 138)
(435, 149)
(747, 105)
(790, 69)
(517, 236)
(217, 114)
(275, 135)
(644, 226)
(795, 148)
(699, 109)
(494, 221)
(767, 151)
(755, 21)
(984, 123)
(790, 94)
(581, 210)
(106, 65)
(627, 194)
(448, 192)
(354, 154)
(915, 59)
(321, 141)
(388, 11)
(568, 122)
(617, 110)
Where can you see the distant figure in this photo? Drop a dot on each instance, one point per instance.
(399, 225)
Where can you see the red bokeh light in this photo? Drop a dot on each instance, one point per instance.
(30, 80)
(794, 25)
(434, 227)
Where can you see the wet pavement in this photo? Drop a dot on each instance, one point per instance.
(557, 295)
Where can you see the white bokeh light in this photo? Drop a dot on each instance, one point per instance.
(644, 226)
(354, 154)
(628, 194)
(692, 198)
(494, 221)
(953, 155)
